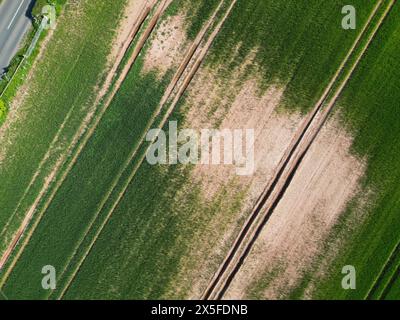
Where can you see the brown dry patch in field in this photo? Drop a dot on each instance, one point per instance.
(326, 180)
(248, 109)
(208, 105)
(167, 46)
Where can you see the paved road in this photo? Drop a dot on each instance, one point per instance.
(14, 23)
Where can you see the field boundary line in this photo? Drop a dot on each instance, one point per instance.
(287, 168)
(83, 143)
(181, 69)
(181, 90)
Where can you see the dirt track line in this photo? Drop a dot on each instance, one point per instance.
(107, 83)
(389, 284)
(378, 279)
(386, 267)
(269, 200)
(145, 12)
(184, 84)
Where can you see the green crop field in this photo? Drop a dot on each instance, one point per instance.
(116, 227)
(59, 96)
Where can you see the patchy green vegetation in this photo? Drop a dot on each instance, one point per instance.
(39, 4)
(369, 108)
(304, 59)
(196, 13)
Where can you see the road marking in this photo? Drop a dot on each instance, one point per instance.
(12, 20)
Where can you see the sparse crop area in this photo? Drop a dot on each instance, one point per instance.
(77, 191)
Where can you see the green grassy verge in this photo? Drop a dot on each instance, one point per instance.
(20, 75)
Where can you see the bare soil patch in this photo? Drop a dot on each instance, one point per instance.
(324, 183)
(167, 46)
(211, 107)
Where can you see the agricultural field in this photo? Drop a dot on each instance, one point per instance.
(318, 191)
(24, 168)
